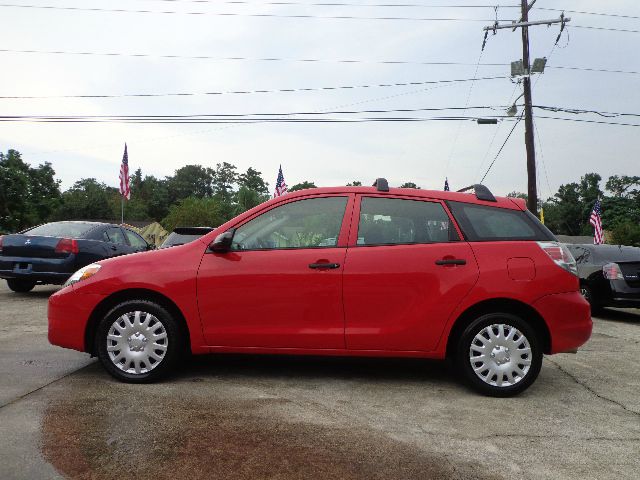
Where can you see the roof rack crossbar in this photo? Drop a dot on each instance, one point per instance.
(481, 191)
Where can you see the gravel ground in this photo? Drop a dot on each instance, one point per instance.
(246, 417)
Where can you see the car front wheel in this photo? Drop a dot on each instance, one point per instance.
(499, 354)
(20, 286)
(138, 341)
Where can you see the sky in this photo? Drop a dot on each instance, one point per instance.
(424, 152)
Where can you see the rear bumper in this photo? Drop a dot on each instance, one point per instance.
(623, 294)
(568, 317)
(68, 314)
(44, 270)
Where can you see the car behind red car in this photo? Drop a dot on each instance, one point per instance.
(366, 271)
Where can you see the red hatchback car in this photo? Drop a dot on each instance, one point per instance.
(366, 271)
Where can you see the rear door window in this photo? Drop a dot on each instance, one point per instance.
(393, 221)
(115, 235)
(481, 223)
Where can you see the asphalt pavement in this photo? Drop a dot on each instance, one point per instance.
(249, 417)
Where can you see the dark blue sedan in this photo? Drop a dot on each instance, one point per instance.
(50, 253)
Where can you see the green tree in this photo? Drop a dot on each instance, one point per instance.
(246, 199)
(409, 185)
(622, 186)
(355, 183)
(224, 178)
(302, 186)
(190, 181)
(193, 211)
(155, 193)
(563, 212)
(14, 182)
(515, 194)
(626, 233)
(87, 199)
(28, 195)
(252, 179)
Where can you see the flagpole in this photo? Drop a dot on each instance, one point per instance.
(122, 206)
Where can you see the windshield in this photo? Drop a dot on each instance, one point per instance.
(62, 229)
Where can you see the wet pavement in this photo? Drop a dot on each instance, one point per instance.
(246, 417)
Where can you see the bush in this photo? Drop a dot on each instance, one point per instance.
(193, 212)
(626, 233)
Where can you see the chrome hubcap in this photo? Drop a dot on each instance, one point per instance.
(137, 342)
(500, 355)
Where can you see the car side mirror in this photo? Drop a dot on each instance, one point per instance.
(222, 243)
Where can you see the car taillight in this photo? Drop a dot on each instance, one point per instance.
(67, 245)
(560, 255)
(612, 271)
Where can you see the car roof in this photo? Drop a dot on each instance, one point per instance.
(501, 202)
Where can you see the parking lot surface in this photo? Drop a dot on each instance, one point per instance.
(236, 417)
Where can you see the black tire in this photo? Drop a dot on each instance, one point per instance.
(20, 286)
(514, 383)
(173, 345)
(587, 293)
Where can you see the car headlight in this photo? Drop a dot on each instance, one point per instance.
(82, 274)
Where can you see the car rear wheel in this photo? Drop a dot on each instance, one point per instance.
(587, 293)
(20, 286)
(138, 341)
(499, 354)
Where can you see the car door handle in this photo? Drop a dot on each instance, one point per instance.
(113, 247)
(324, 265)
(451, 261)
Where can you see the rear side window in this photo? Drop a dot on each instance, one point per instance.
(62, 229)
(114, 235)
(135, 240)
(480, 223)
(391, 221)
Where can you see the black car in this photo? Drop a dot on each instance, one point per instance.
(609, 274)
(50, 253)
(182, 235)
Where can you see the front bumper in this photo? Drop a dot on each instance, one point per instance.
(568, 316)
(68, 314)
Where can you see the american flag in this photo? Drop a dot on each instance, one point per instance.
(281, 186)
(596, 221)
(446, 184)
(124, 175)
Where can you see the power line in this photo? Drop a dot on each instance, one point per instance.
(297, 60)
(582, 12)
(335, 4)
(580, 111)
(238, 92)
(34, 119)
(581, 120)
(254, 59)
(607, 29)
(256, 15)
(262, 114)
(501, 147)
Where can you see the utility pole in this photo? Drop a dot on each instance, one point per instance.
(532, 188)
(524, 24)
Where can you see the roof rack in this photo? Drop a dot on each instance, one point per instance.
(381, 184)
(482, 192)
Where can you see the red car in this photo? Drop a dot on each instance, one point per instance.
(352, 271)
